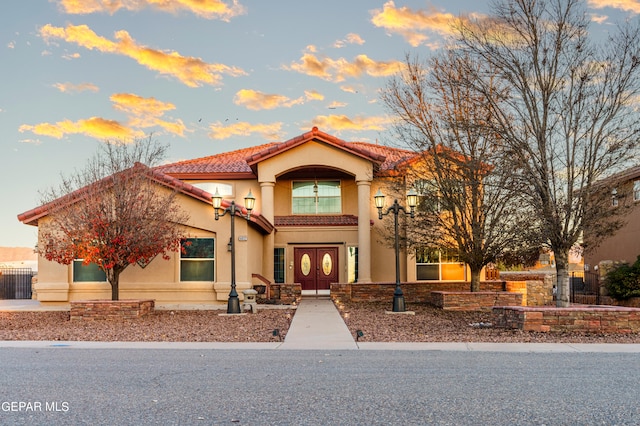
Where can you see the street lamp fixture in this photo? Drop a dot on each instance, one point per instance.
(396, 208)
(233, 304)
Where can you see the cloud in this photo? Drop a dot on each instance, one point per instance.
(70, 56)
(342, 122)
(599, 19)
(313, 95)
(95, 127)
(411, 24)
(31, 141)
(146, 112)
(351, 38)
(256, 101)
(76, 88)
(337, 104)
(632, 6)
(191, 71)
(271, 131)
(208, 9)
(348, 88)
(142, 113)
(339, 69)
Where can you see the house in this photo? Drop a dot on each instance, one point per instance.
(624, 245)
(314, 223)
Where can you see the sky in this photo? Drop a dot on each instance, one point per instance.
(202, 76)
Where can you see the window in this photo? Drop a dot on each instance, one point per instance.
(636, 190)
(197, 259)
(316, 197)
(352, 264)
(439, 265)
(87, 273)
(278, 265)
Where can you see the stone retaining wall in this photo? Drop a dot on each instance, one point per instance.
(536, 287)
(109, 309)
(414, 292)
(286, 294)
(590, 319)
(477, 301)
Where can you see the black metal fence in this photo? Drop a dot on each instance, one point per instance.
(15, 283)
(585, 287)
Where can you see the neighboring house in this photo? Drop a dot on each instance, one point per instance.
(314, 223)
(624, 245)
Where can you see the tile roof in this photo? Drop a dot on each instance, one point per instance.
(394, 158)
(232, 162)
(315, 220)
(315, 134)
(32, 216)
(239, 163)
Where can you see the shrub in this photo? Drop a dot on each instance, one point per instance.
(623, 281)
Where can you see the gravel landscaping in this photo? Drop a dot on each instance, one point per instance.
(427, 325)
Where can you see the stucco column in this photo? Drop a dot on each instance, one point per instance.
(364, 231)
(267, 210)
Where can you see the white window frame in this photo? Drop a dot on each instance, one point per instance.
(317, 197)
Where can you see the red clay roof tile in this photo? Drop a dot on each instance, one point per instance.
(311, 220)
(239, 163)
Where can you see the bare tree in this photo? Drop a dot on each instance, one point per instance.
(566, 116)
(114, 213)
(467, 206)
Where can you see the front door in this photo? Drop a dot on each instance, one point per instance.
(316, 267)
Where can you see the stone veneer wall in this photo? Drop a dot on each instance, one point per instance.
(414, 292)
(109, 309)
(536, 287)
(477, 301)
(285, 294)
(590, 319)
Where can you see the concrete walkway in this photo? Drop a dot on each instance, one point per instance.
(317, 324)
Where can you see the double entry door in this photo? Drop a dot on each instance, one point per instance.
(315, 267)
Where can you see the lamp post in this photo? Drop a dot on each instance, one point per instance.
(396, 208)
(233, 304)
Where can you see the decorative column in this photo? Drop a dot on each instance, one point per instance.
(267, 210)
(364, 231)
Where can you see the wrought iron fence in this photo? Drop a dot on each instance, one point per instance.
(585, 287)
(15, 283)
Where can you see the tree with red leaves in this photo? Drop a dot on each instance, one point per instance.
(114, 213)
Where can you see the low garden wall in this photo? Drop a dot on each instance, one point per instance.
(590, 319)
(284, 294)
(414, 292)
(477, 301)
(108, 309)
(535, 287)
